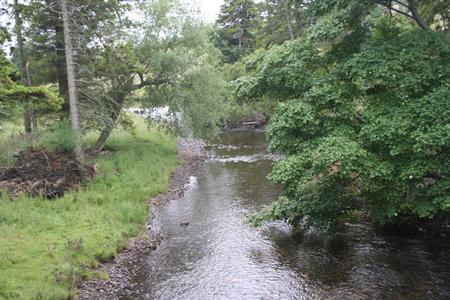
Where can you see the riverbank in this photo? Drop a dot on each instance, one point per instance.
(48, 247)
(118, 272)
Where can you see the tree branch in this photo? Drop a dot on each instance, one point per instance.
(412, 7)
(415, 12)
(152, 82)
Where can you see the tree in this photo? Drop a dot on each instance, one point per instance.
(280, 21)
(55, 27)
(11, 91)
(363, 121)
(171, 57)
(45, 35)
(18, 29)
(236, 23)
(45, 46)
(70, 67)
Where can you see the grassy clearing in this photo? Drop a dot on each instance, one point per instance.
(45, 245)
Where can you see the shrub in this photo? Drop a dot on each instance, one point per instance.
(60, 138)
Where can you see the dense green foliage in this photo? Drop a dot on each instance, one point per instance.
(234, 36)
(11, 91)
(179, 66)
(279, 21)
(364, 123)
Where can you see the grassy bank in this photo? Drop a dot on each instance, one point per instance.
(47, 246)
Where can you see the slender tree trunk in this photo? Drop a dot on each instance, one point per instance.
(33, 115)
(73, 96)
(240, 39)
(106, 132)
(61, 67)
(291, 33)
(18, 28)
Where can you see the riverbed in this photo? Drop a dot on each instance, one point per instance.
(208, 252)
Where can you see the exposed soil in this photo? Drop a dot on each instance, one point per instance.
(122, 268)
(49, 174)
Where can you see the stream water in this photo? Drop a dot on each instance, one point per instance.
(217, 256)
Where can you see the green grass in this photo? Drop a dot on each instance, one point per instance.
(46, 246)
(12, 140)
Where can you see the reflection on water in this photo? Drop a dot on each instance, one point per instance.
(217, 256)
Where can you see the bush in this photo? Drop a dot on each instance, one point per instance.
(60, 138)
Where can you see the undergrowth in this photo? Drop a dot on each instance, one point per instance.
(48, 247)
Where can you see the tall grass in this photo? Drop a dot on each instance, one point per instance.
(47, 246)
(11, 140)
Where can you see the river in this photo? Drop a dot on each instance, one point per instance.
(217, 255)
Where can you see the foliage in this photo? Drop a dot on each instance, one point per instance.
(61, 138)
(436, 13)
(363, 123)
(279, 21)
(45, 48)
(232, 72)
(12, 92)
(180, 67)
(47, 247)
(234, 38)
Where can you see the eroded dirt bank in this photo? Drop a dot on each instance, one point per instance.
(121, 269)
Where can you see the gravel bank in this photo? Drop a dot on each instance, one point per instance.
(122, 268)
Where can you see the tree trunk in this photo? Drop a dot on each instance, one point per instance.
(61, 66)
(416, 15)
(291, 33)
(33, 115)
(106, 132)
(18, 29)
(73, 96)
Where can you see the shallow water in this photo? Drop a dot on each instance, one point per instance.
(217, 256)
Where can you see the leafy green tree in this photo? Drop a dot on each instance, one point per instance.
(178, 53)
(279, 21)
(171, 58)
(12, 92)
(65, 43)
(363, 122)
(235, 20)
(45, 36)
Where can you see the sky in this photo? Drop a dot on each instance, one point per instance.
(210, 8)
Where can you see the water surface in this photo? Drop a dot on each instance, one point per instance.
(217, 256)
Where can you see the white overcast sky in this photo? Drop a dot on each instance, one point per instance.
(210, 8)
